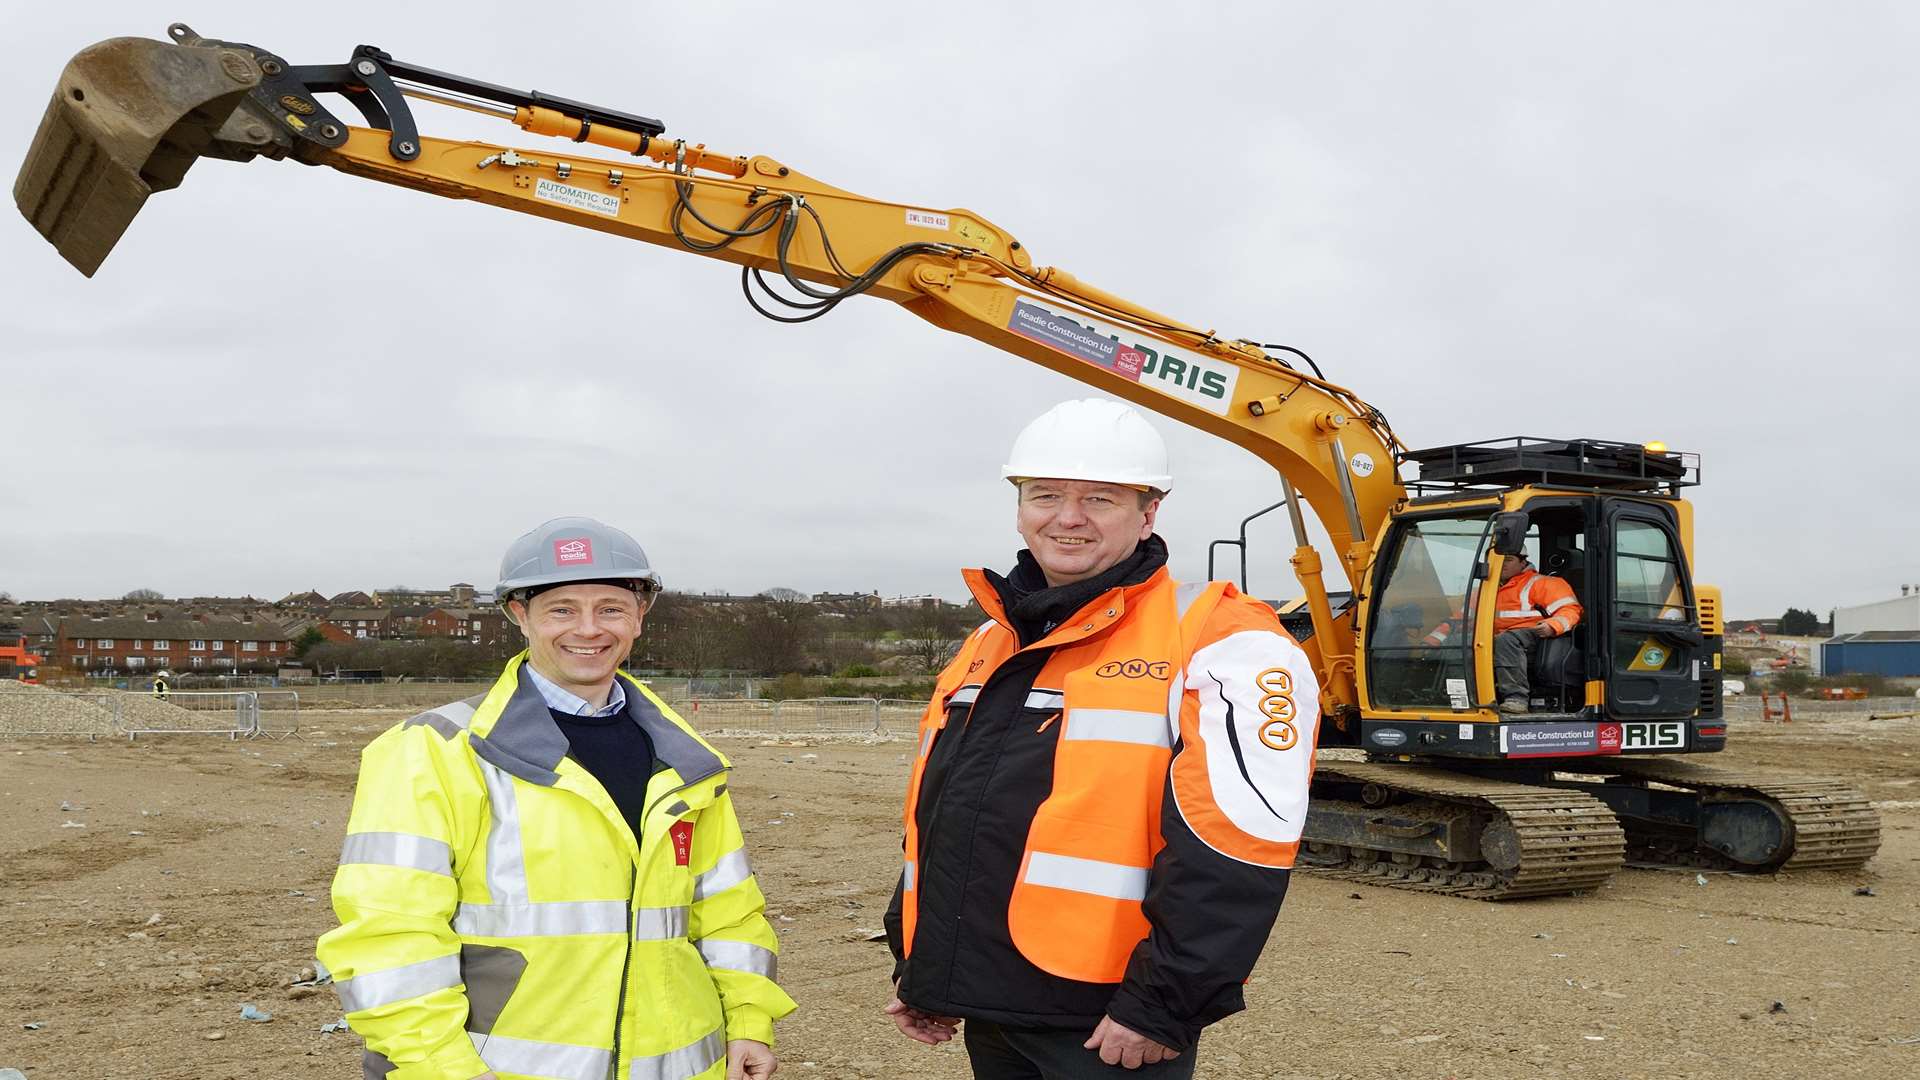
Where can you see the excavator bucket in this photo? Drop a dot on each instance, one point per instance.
(128, 119)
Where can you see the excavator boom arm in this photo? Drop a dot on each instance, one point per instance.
(131, 115)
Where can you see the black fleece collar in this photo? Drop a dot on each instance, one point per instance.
(1034, 609)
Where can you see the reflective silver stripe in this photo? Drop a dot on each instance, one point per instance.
(397, 849)
(1558, 604)
(506, 862)
(1438, 637)
(926, 740)
(1185, 595)
(1118, 725)
(372, 989)
(1046, 699)
(1087, 876)
(1524, 613)
(550, 1061)
(688, 1061)
(738, 956)
(1526, 592)
(659, 923)
(906, 877)
(731, 870)
(964, 696)
(553, 919)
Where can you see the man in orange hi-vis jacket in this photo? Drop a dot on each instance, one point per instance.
(1531, 608)
(1109, 785)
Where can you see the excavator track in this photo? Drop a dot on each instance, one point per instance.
(1560, 841)
(1831, 825)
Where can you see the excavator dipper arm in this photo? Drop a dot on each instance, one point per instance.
(131, 115)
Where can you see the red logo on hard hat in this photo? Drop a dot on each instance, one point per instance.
(576, 550)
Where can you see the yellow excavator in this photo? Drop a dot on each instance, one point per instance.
(1439, 790)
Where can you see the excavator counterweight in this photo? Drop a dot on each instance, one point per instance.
(128, 118)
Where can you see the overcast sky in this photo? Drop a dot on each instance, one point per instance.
(1688, 222)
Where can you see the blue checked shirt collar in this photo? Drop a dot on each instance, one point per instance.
(573, 704)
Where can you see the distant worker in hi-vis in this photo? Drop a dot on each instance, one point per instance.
(548, 880)
(1109, 786)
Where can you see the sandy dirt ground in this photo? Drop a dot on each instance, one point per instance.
(199, 882)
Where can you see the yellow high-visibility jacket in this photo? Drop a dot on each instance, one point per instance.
(497, 913)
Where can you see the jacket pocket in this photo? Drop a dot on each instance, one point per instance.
(491, 973)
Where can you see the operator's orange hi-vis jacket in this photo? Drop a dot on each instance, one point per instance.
(1101, 822)
(1525, 600)
(1530, 598)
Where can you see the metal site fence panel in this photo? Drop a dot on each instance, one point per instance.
(418, 696)
(279, 712)
(1879, 706)
(36, 710)
(232, 713)
(1747, 707)
(803, 716)
(827, 716)
(899, 716)
(725, 714)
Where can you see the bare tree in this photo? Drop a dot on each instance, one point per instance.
(776, 636)
(686, 635)
(138, 595)
(932, 635)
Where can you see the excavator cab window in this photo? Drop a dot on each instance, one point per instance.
(1417, 646)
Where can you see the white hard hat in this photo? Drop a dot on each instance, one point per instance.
(1090, 439)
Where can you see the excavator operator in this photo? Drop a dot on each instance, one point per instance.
(1531, 608)
(1110, 783)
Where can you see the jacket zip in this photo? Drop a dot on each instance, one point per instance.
(626, 965)
(626, 962)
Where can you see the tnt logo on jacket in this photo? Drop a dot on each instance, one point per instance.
(1134, 669)
(573, 551)
(1276, 703)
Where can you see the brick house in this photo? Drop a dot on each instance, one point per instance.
(478, 626)
(156, 640)
(362, 623)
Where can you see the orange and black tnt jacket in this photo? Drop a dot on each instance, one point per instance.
(1105, 803)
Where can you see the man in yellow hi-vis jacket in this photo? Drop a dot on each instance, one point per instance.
(548, 881)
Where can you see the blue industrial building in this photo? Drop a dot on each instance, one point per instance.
(1872, 652)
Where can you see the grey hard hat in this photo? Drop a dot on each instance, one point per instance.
(573, 549)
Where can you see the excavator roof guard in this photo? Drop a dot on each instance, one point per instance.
(1577, 463)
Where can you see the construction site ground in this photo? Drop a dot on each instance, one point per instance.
(150, 889)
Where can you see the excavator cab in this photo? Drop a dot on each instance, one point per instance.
(1641, 664)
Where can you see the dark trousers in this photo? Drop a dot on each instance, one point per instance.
(1000, 1053)
(1512, 657)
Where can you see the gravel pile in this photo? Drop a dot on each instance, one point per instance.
(37, 710)
(144, 712)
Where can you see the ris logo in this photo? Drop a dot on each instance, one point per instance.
(1133, 669)
(1276, 704)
